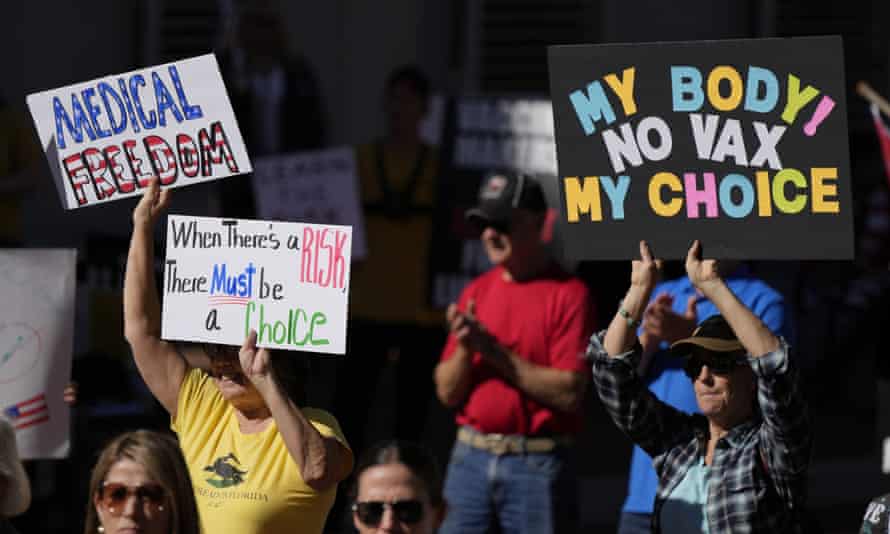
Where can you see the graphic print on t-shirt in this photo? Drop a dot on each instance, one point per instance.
(225, 474)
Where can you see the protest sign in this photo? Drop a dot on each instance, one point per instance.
(483, 134)
(105, 138)
(741, 144)
(319, 187)
(35, 347)
(288, 281)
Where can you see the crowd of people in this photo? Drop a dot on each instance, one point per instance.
(699, 372)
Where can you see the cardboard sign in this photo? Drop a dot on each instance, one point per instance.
(106, 137)
(36, 336)
(315, 187)
(483, 134)
(741, 144)
(287, 281)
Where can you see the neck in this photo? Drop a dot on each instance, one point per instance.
(253, 419)
(526, 268)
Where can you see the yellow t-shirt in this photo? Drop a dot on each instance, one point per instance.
(246, 483)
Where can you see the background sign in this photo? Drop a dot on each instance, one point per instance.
(741, 144)
(316, 187)
(106, 137)
(35, 347)
(287, 281)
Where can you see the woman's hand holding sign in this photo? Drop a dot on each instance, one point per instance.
(152, 204)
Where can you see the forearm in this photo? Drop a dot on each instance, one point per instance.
(142, 309)
(556, 388)
(757, 339)
(453, 378)
(621, 336)
(322, 461)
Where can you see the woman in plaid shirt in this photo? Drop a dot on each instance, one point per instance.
(741, 465)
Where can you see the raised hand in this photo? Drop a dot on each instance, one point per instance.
(152, 204)
(664, 324)
(467, 329)
(254, 360)
(644, 272)
(702, 273)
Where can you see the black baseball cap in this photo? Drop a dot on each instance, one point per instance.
(502, 192)
(713, 334)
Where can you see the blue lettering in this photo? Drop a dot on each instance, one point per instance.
(191, 112)
(218, 280)
(126, 95)
(148, 123)
(164, 100)
(592, 107)
(686, 88)
(94, 111)
(757, 75)
(104, 91)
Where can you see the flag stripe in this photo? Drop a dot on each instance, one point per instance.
(32, 422)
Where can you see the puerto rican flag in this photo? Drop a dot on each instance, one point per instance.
(28, 412)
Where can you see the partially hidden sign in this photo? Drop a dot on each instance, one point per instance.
(105, 138)
(288, 281)
(741, 144)
(315, 187)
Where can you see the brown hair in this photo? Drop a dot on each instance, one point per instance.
(413, 456)
(159, 454)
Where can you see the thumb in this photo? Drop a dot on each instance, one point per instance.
(691, 312)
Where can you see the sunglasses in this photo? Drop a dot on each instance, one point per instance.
(114, 497)
(371, 512)
(719, 366)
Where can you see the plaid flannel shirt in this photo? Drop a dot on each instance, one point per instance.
(757, 479)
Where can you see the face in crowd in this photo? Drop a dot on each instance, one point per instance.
(515, 241)
(391, 498)
(141, 484)
(725, 386)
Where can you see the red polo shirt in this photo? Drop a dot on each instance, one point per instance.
(547, 321)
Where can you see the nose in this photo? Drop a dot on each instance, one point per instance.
(705, 374)
(388, 522)
(489, 233)
(131, 506)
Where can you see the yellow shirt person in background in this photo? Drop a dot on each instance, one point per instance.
(260, 462)
(246, 482)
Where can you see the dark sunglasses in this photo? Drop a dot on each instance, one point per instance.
(371, 512)
(114, 497)
(719, 366)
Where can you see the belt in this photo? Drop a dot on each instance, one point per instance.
(500, 444)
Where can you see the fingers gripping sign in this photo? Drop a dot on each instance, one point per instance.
(701, 272)
(152, 204)
(254, 360)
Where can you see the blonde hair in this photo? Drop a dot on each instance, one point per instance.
(159, 454)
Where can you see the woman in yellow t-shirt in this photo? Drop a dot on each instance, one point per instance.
(258, 460)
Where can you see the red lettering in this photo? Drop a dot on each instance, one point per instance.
(321, 243)
(215, 149)
(162, 159)
(307, 271)
(188, 155)
(78, 176)
(339, 262)
(135, 163)
(98, 169)
(124, 183)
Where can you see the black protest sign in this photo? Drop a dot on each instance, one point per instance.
(741, 144)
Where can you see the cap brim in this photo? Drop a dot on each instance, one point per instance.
(684, 346)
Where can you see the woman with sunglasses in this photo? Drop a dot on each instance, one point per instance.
(398, 489)
(260, 461)
(141, 484)
(741, 465)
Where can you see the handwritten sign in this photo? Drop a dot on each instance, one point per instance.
(287, 281)
(36, 337)
(319, 187)
(107, 137)
(741, 144)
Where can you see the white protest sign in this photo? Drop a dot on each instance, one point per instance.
(505, 133)
(36, 334)
(106, 137)
(288, 281)
(319, 187)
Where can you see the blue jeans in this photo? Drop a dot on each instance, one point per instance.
(522, 493)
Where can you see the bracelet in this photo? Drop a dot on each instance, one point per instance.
(631, 322)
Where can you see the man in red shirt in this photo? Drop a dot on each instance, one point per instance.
(513, 368)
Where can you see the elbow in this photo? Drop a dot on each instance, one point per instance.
(572, 398)
(447, 397)
(317, 475)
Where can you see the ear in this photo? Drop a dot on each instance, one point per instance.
(99, 510)
(355, 522)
